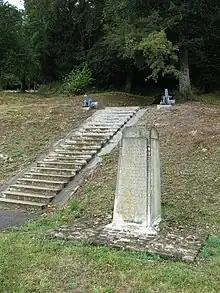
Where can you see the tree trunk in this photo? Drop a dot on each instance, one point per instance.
(129, 80)
(184, 78)
(23, 83)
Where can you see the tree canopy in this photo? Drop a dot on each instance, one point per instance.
(126, 44)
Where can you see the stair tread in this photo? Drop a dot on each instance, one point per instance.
(90, 136)
(67, 155)
(78, 147)
(48, 174)
(28, 194)
(24, 202)
(67, 159)
(65, 151)
(101, 128)
(58, 163)
(83, 141)
(55, 169)
(81, 133)
(35, 187)
(63, 158)
(42, 181)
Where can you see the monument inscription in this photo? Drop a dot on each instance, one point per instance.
(137, 199)
(131, 181)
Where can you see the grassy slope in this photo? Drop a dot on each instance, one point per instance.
(30, 123)
(31, 263)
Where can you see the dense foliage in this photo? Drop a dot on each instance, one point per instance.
(127, 44)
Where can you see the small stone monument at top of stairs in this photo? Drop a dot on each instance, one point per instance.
(88, 103)
(137, 207)
(167, 101)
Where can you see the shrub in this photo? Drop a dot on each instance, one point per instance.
(78, 80)
(9, 81)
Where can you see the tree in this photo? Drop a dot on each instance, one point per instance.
(189, 24)
(69, 29)
(10, 20)
(139, 38)
(19, 51)
(127, 39)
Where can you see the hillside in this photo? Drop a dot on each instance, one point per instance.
(190, 158)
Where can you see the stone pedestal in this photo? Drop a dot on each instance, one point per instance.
(164, 107)
(137, 206)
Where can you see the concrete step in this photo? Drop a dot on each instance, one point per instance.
(68, 159)
(84, 142)
(109, 121)
(56, 164)
(109, 117)
(86, 138)
(70, 156)
(35, 189)
(123, 108)
(83, 133)
(117, 114)
(65, 159)
(101, 128)
(57, 171)
(74, 153)
(42, 182)
(22, 202)
(28, 196)
(48, 176)
(112, 112)
(96, 130)
(81, 147)
(98, 123)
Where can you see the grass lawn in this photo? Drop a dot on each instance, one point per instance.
(190, 156)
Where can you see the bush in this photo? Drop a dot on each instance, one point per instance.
(9, 81)
(78, 80)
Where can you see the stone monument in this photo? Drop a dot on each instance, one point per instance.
(137, 207)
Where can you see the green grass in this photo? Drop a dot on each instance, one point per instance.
(33, 262)
(211, 248)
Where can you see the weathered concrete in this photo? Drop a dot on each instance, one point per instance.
(137, 206)
(172, 243)
(165, 107)
(78, 180)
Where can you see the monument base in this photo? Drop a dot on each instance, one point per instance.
(132, 229)
(86, 108)
(171, 242)
(164, 107)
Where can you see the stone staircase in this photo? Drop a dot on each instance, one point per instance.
(39, 185)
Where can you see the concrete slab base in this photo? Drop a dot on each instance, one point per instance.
(165, 107)
(171, 243)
